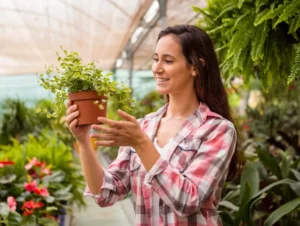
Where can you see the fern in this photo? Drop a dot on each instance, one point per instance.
(293, 24)
(268, 14)
(295, 72)
(257, 44)
(289, 11)
(240, 3)
(254, 37)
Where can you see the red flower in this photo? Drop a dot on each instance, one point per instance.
(32, 162)
(3, 163)
(30, 186)
(37, 168)
(11, 202)
(30, 206)
(46, 171)
(41, 191)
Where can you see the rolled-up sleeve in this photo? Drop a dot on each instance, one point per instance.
(116, 180)
(185, 191)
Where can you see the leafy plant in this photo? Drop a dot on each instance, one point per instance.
(66, 175)
(255, 38)
(17, 120)
(28, 200)
(73, 76)
(269, 189)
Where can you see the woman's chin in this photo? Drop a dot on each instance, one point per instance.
(161, 91)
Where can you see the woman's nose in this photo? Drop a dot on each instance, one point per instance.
(157, 68)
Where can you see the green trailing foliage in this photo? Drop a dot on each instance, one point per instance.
(73, 76)
(255, 38)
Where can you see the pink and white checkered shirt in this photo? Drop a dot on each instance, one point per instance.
(189, 181)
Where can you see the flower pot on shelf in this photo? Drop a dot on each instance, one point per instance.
(90, 106)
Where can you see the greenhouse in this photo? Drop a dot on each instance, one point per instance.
(149, 112)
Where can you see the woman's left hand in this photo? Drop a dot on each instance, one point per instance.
(119, 133)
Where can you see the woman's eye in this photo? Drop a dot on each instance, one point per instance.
(155, 59)
(169, 61)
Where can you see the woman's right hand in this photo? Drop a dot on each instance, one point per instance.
(80, 133)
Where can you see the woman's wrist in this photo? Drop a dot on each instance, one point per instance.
(84, 143)
(141, 142)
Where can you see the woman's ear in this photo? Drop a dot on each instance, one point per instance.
(194, 71)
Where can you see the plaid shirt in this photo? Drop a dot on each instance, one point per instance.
(189, 182)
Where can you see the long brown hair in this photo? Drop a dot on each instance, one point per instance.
(196, 45)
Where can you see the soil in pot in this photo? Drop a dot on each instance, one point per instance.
(88, 106)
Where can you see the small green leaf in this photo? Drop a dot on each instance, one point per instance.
(4, 209)
(281, 211)
(14, 219)
(47, 221)
(229, 205)
(7, 179)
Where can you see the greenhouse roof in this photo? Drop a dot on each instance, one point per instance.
(32, 31)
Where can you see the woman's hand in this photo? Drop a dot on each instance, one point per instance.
(80, 133)
(119, 133)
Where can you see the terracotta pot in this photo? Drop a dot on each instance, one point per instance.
(88, 110)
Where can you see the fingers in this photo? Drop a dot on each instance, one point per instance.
(126, 116)
(111, 123)
(71, 117)
(69, 103)
(71, 108)
(106, 143)
(107, 130)
(73, 124)
(106, 137)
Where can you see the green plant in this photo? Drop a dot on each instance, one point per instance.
(268, 193)
(48, 148)
(269, 189)
(73, 76)
(15, 120)
(26, 199)
(255, 38)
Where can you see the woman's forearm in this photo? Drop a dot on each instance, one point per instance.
(92, 170)
(147, 153)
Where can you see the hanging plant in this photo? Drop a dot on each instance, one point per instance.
(255, 38)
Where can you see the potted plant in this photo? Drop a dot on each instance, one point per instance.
(85, 85)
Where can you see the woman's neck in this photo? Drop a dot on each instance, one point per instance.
(181, 106)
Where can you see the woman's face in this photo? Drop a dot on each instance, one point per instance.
(171, 71)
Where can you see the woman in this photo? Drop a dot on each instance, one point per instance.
(176, 160)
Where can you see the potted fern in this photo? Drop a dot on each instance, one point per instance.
(84, 85)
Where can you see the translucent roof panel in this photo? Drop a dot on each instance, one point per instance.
(32, 31)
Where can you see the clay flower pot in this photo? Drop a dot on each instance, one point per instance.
(88, 106)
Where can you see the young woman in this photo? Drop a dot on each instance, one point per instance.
(174, 161)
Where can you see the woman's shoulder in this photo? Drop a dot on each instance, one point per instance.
(155, 114)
